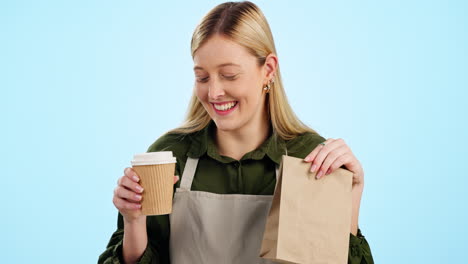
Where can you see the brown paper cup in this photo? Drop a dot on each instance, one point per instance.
(158, 187)
(156, 172)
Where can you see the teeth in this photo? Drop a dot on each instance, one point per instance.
(225, 107)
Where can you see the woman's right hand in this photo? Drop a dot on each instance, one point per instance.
(128, 194)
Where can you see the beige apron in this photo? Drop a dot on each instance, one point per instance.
(216, 228)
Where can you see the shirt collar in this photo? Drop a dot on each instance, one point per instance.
(203, 141)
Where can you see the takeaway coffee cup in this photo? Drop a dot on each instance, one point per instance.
(156, 172)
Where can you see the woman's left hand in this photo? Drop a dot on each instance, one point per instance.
(334, 154)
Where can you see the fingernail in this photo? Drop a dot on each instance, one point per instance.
(138, 197)
(319, 174)
(139, 189)
(307, 159)
(136, 178)
(313, 168)
(328, 171)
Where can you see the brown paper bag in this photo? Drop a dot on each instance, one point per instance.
(309, 219)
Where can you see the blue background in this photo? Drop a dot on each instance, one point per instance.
(86, 84)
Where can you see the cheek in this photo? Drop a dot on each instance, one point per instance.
(250, 94)
(201, 93)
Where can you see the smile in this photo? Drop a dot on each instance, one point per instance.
(225, 108)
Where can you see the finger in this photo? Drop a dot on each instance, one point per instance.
(122, 204)
(130, 173)
(322, 155)
(124, 193)
(331, 157)
(337, 163)
(131, 185)
(315, 164)
(176, 178)
(316, 150)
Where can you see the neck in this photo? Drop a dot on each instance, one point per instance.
(236, 144)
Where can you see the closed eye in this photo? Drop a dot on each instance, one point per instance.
(202, 80)
(231, 77)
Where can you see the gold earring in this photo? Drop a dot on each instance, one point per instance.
(267, 87)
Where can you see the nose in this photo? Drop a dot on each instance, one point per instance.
(215, 91)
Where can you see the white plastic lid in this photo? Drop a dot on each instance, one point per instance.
(152, 158)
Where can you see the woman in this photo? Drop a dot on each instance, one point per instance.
(239, 124)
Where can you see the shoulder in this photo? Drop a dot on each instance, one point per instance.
(177, 143)
(303, 144)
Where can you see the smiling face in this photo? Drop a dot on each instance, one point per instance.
(229, 84)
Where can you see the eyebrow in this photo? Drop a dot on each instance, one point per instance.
(219, 66)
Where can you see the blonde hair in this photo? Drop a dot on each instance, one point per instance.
(245, 24)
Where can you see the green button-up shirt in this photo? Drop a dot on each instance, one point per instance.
(258, 166)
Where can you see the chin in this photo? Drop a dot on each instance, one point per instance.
(226, 125)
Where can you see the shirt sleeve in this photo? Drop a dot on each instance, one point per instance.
(113, 252)
(359, 250)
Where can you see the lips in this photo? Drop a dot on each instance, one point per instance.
(225, 108)
(225, 105)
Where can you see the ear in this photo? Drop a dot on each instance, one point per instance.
(269, 68)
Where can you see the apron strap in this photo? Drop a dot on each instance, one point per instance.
(277, 169)
(189, 172)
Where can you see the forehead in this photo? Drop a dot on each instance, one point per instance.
(219, 51)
